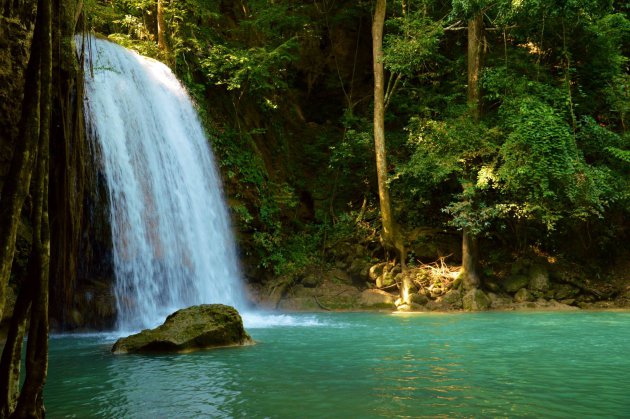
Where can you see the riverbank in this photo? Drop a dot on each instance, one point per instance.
(525, 286)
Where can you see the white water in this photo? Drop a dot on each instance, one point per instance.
(172, 243)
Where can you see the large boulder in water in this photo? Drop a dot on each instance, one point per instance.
(193, 328)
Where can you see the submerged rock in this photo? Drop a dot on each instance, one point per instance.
(193, 328)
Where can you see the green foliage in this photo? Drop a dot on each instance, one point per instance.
(256, 70)
(276, 21)
(594, 139)
(539, 154)
(355, 148)
(442, 148)
(410, 41)
(550, 153)
(623, 155)
(145, 47)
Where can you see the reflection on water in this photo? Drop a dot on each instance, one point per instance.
(205, 391)
(363, 365)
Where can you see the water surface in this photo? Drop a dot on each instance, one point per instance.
(363, 365)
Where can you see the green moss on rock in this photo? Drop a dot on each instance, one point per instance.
(193, 328)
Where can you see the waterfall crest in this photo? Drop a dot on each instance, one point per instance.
(172, 242)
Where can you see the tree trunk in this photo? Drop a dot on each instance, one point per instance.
(68, 162)
(475, 59)
(12, 354)
(161, 26)
(19, 178)
(379, 122)
(35, 292)
(390, 235)
(470, 256)
(31, 404)
(469, 260)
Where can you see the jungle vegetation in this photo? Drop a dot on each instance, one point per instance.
(502, 123)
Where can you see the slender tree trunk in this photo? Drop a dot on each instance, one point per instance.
(475, 58)
(30, 403)
(35, 292)
(19, 178)
(475, 62)
(389, 229)
(12, 354)
(161, 26)
(379, 124)
(391, 235)
(469, 260)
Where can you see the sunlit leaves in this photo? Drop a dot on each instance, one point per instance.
(255, 69)
(409, 43)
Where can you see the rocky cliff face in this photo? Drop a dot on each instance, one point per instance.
(15, 41)
(80, 267)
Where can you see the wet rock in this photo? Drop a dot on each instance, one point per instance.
(499, 301)
(359, 267)
(341, 276)
(475, 300)
(453, 298)
(538, 279)
(436, 306)
(491, 285)
(376, 297)
(515, 283)
(436, 291)
(377, 270)
(565, 291)
(418, 299)
(523, 295)
(365, 271)
(193, 328)
(386, 280)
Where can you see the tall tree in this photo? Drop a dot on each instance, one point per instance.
(19, 178)
(391, 236)
(34, 292)
(161, 26)
(470, 255)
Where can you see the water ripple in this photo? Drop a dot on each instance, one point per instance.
(373, 366)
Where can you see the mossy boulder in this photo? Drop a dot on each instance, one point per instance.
(193, 328)
(376, 298)
(565, 291)
(515, 282)
(476, 300)
(538, 280)
(453, 298)
(523, 296)
(419, 299)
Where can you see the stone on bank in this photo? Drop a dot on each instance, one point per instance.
(193, 328)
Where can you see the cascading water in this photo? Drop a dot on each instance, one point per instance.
(172, 243)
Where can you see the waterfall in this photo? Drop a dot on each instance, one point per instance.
(172, 242)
